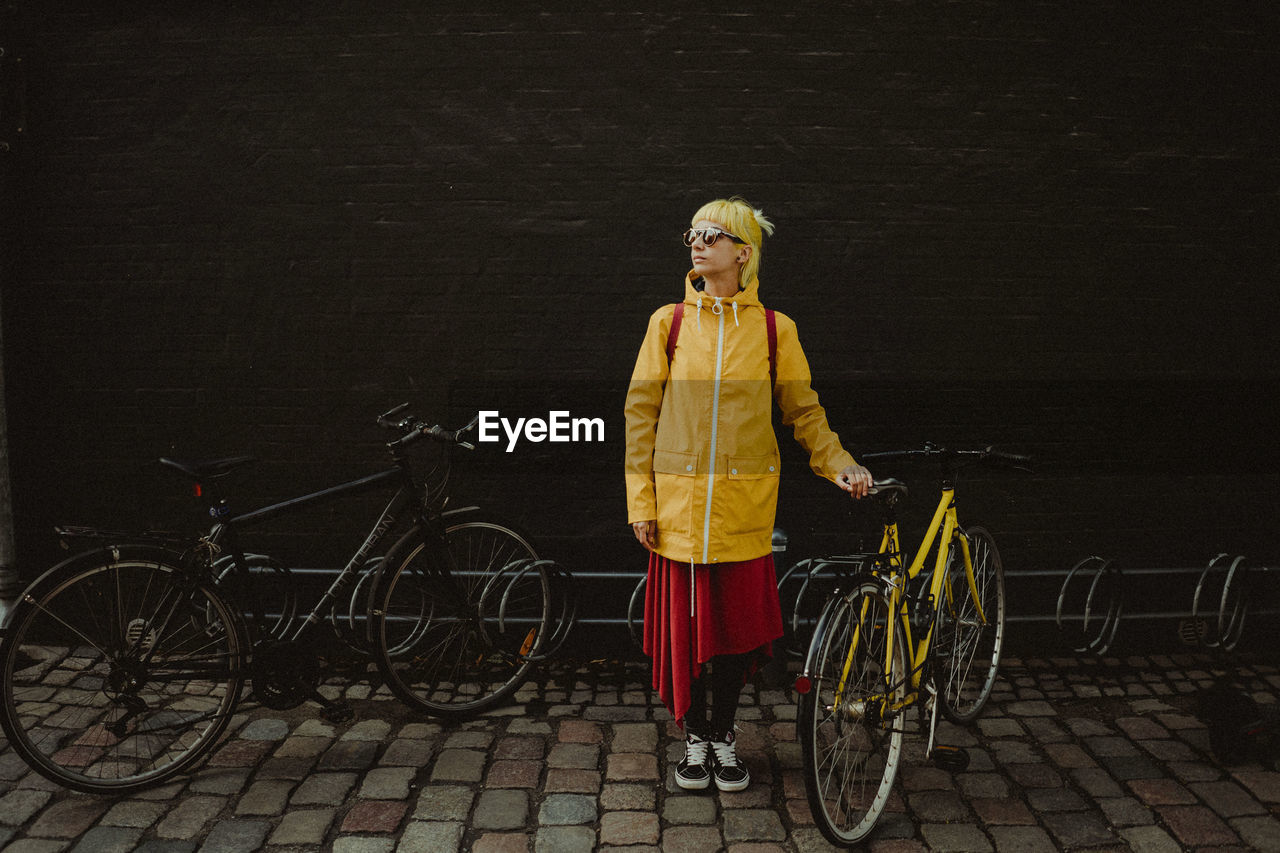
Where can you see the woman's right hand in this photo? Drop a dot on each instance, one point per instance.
(646, 533)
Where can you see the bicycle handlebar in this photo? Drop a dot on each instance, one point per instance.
(957, 458)
(412, 429)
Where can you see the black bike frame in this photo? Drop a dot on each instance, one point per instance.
(406, 496)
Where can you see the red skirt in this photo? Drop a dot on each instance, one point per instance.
(735, 609)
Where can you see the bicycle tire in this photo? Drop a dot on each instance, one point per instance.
(456, 644)
(852, 745)
(119, 671)
(966, 643)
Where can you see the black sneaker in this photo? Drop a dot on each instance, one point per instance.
(693, 773)
(730, 774)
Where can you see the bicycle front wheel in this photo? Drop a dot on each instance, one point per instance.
(455, 632)
(969, 632)
(850, 722)
(118, 675)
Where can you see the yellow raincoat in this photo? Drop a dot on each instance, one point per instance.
(702, 458)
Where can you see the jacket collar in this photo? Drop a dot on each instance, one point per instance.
(749, 295)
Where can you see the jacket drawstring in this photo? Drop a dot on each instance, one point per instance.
(716, 309)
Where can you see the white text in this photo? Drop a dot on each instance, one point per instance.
(559, 427)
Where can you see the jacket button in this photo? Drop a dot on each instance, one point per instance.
(688, 467)
(733, 470)
(770, 469)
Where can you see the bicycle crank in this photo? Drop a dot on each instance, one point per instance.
(284, 675)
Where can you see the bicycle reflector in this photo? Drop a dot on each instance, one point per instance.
(197, 491)
(803, 684)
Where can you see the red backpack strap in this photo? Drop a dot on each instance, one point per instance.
(772, 325)
(676, 317)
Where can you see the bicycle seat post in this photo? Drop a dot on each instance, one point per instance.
(889, 493)
(888, 511)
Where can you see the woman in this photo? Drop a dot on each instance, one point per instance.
(702, 473)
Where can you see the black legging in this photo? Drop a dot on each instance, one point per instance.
(726, 679)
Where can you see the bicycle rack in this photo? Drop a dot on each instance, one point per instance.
(1101, 609)
(275, 588)
(1091, 602)
(814, 580)
(802, 592)
(1228, 577)
(563, 600)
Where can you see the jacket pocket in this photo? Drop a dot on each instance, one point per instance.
(675, 462)
(674, 482)
(752, 467)
(749, 494)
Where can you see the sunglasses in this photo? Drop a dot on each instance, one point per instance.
(709, 236)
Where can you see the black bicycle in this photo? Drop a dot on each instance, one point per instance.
(123, 665)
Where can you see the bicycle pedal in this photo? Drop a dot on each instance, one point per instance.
(951, 758)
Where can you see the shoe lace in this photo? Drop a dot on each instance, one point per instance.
(726, 754)
(695, 750)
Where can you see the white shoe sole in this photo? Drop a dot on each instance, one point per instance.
(692, 784)
(734, 786)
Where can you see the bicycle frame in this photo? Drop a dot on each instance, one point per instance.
(888, 639)
(944, 522)
(406, 503)
(160, 634)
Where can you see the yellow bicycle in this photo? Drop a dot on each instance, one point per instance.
(889, 640)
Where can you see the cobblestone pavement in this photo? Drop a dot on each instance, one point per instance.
(1071, 754)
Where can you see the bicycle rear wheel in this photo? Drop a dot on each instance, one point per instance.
(850, 722)
(969, 633)
(457, 639)
(117, 675)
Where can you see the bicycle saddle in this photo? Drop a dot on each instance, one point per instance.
(890, 489)
(207, 469)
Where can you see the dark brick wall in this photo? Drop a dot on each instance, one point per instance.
(1050, 226)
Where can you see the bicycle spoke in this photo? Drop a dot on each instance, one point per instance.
(851, 742)
(969, 632)
(98, 697)
(455, 642)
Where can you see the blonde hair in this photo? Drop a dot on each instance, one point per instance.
(742, 221)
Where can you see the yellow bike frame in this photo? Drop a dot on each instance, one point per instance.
(944, 521)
